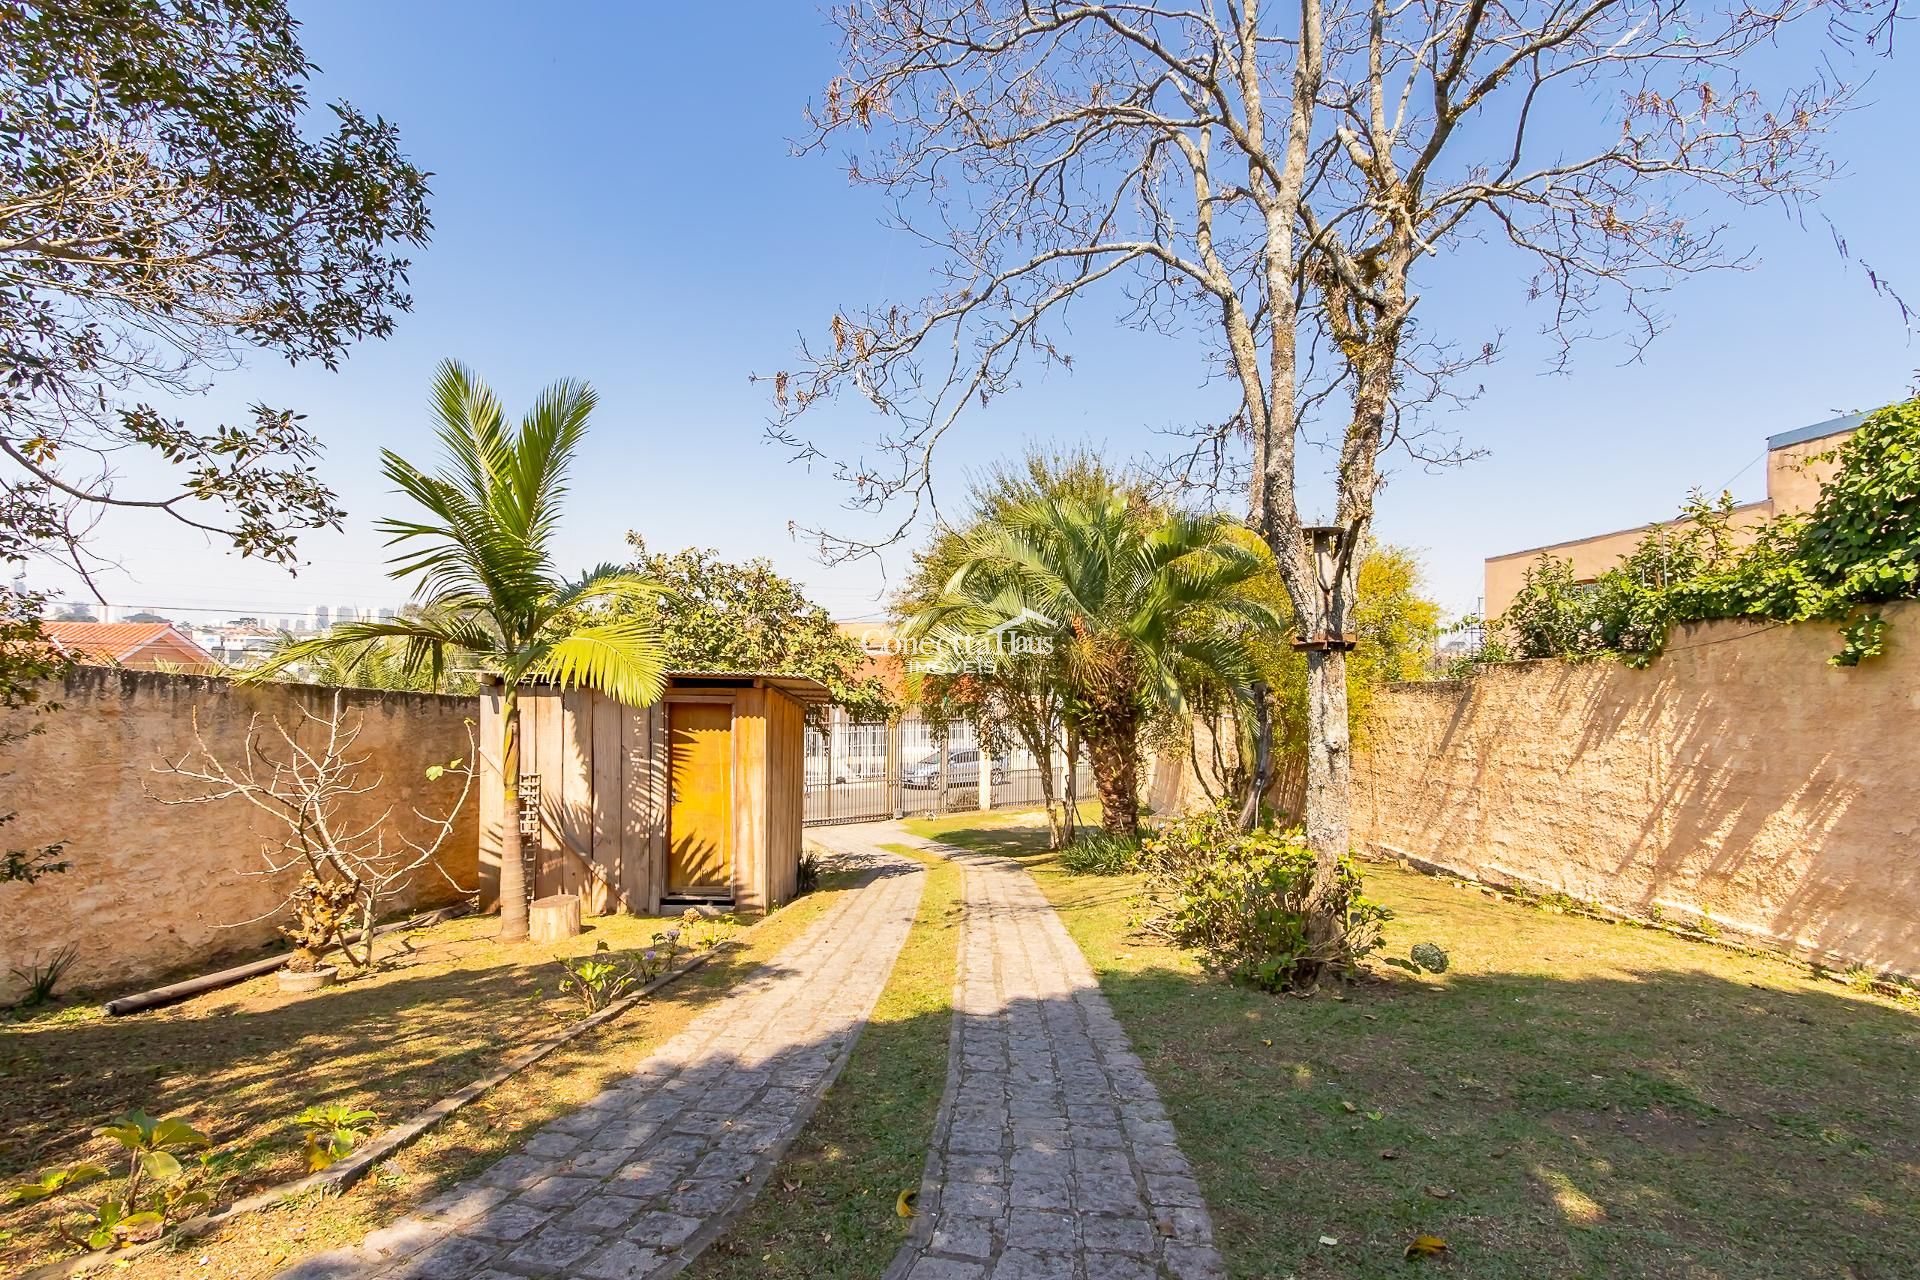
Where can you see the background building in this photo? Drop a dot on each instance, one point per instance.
(1795, 473)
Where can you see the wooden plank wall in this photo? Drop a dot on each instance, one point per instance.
(492, 803)
(786, 812)
(749, 800)
(602, 799)
(604, 777)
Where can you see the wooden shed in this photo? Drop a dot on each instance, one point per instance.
(696, 799)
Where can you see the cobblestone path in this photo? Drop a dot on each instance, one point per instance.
(1053, 1159)
(634, 1184)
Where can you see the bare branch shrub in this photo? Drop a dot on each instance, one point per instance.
(308, 780)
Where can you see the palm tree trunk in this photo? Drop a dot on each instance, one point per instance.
(1114, 746)
(513, 871)
(1070, 785)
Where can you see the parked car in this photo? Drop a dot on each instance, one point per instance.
(963, 770)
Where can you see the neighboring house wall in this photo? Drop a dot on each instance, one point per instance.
(156, 889)
(1795, 472)
(1739, 777)
(1592, 557)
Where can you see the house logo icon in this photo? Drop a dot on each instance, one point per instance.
(1025, 619)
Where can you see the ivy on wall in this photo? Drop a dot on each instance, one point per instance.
(1858, 547)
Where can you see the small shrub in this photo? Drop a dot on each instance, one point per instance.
(1101, 853)
(598, 980)
(1430, 956)
(706, 931)
(42, 977)
(154, 1194)
(806, 876)
(333, 1129)
(1239, 899)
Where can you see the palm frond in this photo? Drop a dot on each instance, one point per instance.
(623, 659)
(610, 584)
(426, 642)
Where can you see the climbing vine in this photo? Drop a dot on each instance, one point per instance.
(1858, 547)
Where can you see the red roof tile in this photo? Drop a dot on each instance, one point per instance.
(115, 642)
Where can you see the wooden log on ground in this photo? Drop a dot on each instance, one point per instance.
(553, 918)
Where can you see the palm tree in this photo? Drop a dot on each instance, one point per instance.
(487, 588)
(1136, 601)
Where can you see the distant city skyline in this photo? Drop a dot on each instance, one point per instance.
(277, 617)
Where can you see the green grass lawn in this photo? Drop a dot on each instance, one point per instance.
(1572, 1099)
(828, 1210)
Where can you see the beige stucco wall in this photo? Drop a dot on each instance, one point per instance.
(153, 888)
(1739, 777)
(1796, 473)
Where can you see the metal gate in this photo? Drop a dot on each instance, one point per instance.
(866, 772)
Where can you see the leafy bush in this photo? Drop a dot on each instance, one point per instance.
(156, 1191)
(1101, 853)
(599, 979)
(1239, 899)
(1858, 547)
(806, 875)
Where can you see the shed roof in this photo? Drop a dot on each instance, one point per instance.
(800, 688)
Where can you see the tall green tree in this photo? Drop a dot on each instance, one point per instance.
(743, 616)
(480, 555)
(1111, 582)
(170, 206)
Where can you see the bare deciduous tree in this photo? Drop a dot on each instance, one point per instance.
(1270, 178)
(306, 777)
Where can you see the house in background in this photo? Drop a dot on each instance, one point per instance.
(136, 646)
(1795, 472)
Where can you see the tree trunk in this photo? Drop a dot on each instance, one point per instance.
(1115, 751)
(1070, 786)
(1262, 774)
(1040, 747)
(1329, 777)
(513, 870)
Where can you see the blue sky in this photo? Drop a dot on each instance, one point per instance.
(615, 200)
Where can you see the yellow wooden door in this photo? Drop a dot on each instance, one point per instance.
(700, 804)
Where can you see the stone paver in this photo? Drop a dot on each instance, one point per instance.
(634, 1184)
(1053, 1156)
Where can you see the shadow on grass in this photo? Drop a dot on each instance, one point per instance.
(1661, 1123)
(241, 1063)
(1583, 1100)
(1640, 1120)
